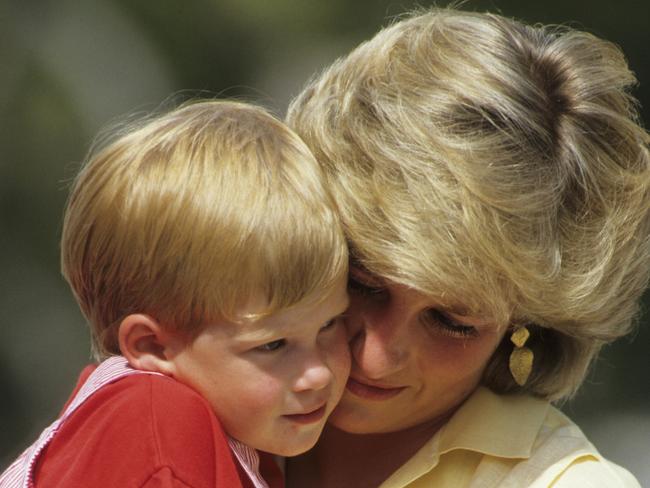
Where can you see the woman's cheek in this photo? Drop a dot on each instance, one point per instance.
(338, 355)
(459, 357)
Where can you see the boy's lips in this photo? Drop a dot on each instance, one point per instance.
(309, 417)
(375, 391)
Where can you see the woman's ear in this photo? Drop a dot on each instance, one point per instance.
(145, 344)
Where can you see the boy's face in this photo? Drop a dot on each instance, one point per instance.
(272, 382)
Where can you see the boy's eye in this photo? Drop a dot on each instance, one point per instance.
(442, 323)
(329, 325)
(272, 346)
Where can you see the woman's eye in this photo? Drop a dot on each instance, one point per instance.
(272, 346)
(364, 289)
(446, 325)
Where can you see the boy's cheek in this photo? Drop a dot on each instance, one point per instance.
(258, 400)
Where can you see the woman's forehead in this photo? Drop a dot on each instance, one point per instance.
(442, 300)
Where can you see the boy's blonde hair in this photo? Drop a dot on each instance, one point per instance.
(495, 165)
(189, 215)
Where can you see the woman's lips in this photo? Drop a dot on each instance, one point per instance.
(307, 418)
(372, 392)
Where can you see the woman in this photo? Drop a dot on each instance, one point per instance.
(494, 185)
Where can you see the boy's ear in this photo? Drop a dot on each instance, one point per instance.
(145, 344)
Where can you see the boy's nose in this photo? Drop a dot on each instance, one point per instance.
(315, 375)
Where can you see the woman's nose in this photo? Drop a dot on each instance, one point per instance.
(379, 342)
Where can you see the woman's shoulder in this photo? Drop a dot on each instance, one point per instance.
(593, 472)
(524, 441)
(572, 460)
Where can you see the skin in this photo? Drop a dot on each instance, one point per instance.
(272, 382)
(413, 365)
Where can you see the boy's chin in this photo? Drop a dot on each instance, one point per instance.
(293, 448)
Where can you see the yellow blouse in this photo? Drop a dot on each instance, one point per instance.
(509, 441)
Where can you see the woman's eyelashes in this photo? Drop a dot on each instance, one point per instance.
(436, 320)
(358, 286)
(441, 322)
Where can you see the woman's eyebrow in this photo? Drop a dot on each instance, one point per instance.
(458, 309)
(354, 261)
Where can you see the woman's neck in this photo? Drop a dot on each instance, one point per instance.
(344, 460)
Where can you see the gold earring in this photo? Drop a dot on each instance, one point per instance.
(521, 358)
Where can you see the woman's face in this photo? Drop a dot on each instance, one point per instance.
(412, 361)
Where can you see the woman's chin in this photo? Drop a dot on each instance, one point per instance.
(355, 421)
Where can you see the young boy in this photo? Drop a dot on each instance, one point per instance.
(206, 255)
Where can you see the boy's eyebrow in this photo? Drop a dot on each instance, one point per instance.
(258, 335)
(250, 333)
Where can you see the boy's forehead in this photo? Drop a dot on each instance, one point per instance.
(317, 310)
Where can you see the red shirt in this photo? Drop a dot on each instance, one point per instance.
(142, 430)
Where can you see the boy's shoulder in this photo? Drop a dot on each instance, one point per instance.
(142, 423)
(154, 402)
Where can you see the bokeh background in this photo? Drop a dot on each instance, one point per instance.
(70, 67)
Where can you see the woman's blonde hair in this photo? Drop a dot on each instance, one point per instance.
(496, 165)
(188, 215)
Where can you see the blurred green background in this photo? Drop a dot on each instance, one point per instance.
(68, 68)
